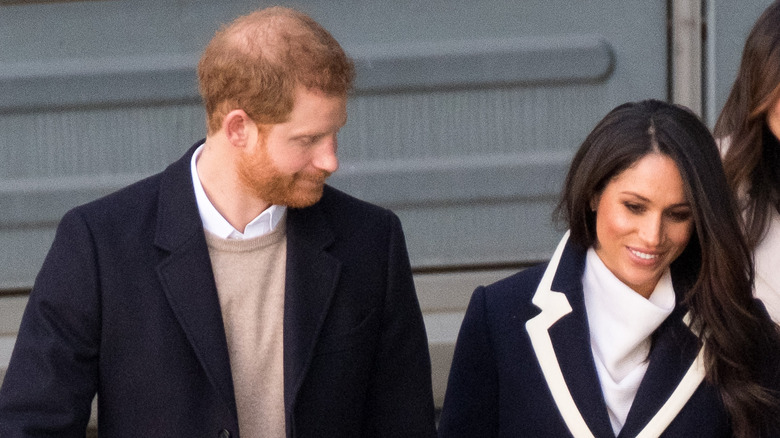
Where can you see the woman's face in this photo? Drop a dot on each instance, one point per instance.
(643, 222)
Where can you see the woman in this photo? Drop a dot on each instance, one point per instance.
(606, 339)
(750, 128)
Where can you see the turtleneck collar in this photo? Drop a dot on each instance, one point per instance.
(621, 323)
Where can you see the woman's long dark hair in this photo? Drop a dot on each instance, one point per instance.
(742, 121)
(720, 301)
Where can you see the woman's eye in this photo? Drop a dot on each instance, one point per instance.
(680, 216)
(633, 208)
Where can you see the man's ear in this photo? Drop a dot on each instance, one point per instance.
(238, 128)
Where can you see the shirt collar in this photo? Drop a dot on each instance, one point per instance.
(216, 224)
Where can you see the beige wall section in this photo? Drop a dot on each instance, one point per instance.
(11, 308)
(443, 299)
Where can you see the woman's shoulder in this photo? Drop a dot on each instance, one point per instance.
(513, 291)
(528, 277)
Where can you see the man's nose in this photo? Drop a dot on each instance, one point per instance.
(325, 157)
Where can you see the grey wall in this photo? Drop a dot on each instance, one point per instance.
(464, 118)
(463, 121)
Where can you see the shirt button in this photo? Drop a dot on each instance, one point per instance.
(223, 434)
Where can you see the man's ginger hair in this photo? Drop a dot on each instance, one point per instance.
(256, 62)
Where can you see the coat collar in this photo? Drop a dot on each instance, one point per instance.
(187, 278)
(310, 283)
(561, 342)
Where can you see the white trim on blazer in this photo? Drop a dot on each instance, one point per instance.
(554, 306)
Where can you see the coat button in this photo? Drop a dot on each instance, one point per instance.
(223, 434)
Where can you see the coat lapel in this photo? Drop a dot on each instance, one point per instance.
(561, 342)
(675, 371)
(310, 282)
(186, 275)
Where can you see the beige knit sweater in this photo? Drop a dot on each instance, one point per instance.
(250, 284)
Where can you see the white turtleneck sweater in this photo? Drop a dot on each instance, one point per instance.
(621, 322)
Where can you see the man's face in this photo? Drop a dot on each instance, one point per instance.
(290, 161)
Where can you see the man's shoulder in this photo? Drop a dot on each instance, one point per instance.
(333, 198)
(133, 197)
(346, 217)
(346, 210)
(141, 197)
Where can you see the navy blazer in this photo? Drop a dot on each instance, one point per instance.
(126, 306)
(497, 387)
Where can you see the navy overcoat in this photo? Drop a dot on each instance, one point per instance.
(126, 306)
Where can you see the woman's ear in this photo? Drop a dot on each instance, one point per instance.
(594, 202)
(238, 127)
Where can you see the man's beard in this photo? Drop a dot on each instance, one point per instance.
(263, 179)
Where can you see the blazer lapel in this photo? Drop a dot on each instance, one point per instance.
(310, 282)
(561, 342)
(186, 275)
(675, 371)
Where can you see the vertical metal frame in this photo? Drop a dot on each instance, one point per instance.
(686, 48)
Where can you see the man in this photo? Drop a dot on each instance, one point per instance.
(233, 293)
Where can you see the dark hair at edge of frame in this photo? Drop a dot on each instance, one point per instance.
(741, 124)
(716, 265)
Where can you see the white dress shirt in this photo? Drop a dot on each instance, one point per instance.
(216, 224)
